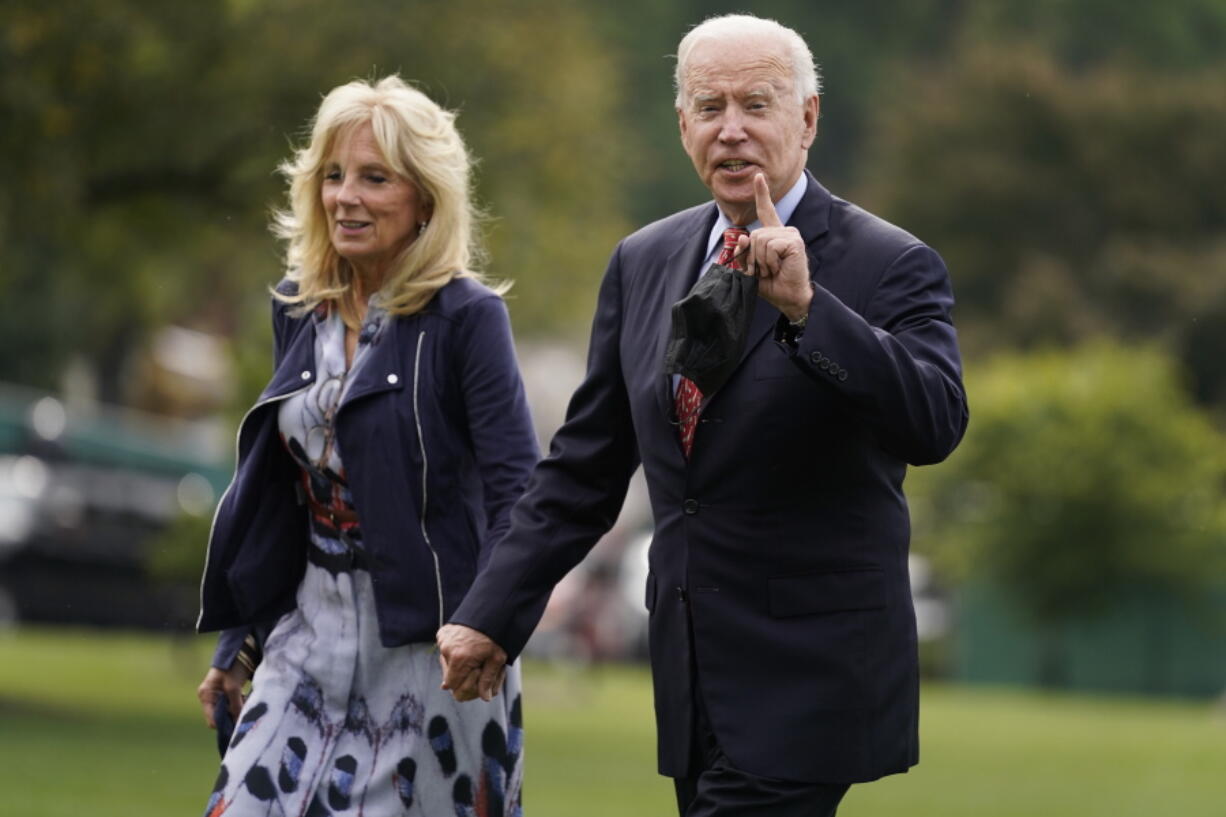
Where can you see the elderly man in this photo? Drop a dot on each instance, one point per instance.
(782, 633)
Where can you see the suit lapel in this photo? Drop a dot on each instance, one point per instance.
(812, 215)
(680, 270)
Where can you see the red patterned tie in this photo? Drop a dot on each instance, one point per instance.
(688, 396)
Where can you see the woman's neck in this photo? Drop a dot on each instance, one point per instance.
(365, 283)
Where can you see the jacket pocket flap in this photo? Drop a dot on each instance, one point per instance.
(826, 592)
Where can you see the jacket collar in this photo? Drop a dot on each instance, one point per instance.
(384, 369)
(297, 367)
(385, 366)
(812, 215)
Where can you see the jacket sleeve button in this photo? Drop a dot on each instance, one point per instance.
(842, 375)
(393, 379)
(306, 375)
(815, 357)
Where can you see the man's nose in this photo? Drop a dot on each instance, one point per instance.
(732, 126)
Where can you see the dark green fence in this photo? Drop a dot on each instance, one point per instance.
(1147, 643)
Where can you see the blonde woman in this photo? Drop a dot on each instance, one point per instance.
(374, 474)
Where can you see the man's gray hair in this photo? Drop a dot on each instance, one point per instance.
(805, 78)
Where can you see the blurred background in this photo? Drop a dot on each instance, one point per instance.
(1066, 157)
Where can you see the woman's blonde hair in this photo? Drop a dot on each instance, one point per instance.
(420, 142)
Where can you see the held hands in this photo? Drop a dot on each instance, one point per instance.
(777, 257)
(473, 665)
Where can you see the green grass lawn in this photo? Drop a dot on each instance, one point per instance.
(102, 724)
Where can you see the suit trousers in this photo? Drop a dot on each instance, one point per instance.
(716, 788)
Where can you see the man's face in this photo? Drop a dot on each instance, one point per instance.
(740, 117)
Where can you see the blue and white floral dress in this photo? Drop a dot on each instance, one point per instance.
(336, 723)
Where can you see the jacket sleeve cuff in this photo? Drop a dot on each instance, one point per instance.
(247, 639)
(228, 644)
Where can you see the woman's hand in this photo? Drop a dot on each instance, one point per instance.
(229, 683)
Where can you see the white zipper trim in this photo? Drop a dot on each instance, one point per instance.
(425, 467)
(238, 435)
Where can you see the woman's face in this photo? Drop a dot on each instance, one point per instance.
(372, 212)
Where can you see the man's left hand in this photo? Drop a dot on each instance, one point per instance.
(777, 257)
(473, 665)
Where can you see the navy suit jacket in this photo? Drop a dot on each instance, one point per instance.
(779, 557)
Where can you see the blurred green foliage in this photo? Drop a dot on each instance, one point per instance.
(144, 137)
(1086, 475)
(1064, 157)
(1070, 204)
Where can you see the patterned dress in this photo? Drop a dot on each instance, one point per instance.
(336, 723)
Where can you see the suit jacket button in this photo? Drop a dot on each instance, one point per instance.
(815, 357)
(690, 506)
(842, 374)
(393, 379)
(306, 375)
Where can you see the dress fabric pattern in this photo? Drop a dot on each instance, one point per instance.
(338, 724)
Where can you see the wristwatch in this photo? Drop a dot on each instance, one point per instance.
(793, 330)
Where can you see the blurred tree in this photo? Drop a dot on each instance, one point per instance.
(144, 137)
(1174, 35)
(140, 138)
(1067, 203)
(1085, 475)
(111, 173)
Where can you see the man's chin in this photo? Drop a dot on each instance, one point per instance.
(739, 209)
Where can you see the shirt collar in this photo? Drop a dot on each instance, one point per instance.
(785, 207)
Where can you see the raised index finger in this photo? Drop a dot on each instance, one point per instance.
(766, 208)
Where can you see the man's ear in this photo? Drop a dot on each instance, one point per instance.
(812, 110)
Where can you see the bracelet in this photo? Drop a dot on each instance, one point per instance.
(249, 654)
(245, 660)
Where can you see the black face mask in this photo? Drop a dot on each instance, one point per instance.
(711, 327)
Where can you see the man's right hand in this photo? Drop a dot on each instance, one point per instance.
(229, 683)
(473, 665)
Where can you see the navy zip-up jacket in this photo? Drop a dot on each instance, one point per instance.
(437, 442)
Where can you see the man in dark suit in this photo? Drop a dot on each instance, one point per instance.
(782, 632)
